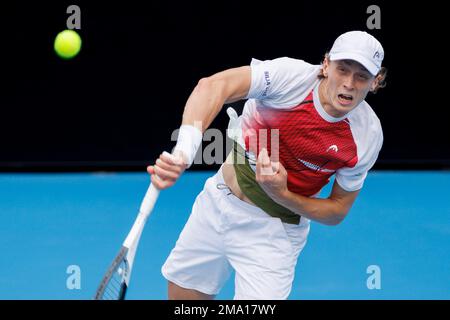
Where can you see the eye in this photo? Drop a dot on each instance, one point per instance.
(363, 77)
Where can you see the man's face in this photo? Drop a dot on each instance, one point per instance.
(348, 83)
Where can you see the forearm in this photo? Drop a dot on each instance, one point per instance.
(204, 103)
(326, 211)
(211, 93)
(201, 108)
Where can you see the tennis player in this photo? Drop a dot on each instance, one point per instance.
(254, 215)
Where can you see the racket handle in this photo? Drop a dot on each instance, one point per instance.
(149, 200)
(146, 208)
(150, 197)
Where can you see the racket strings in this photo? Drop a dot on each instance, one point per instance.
(114, 289)
(114, 283)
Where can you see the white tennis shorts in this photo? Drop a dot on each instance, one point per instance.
(225, 233)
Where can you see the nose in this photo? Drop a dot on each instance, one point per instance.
(349, 83)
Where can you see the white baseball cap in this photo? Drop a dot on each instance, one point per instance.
(361, 47)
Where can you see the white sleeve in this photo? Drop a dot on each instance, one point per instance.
(352, 179)
(282, 82)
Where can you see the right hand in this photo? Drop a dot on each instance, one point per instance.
(167, 169)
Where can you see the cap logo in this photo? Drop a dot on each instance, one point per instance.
(378, 55)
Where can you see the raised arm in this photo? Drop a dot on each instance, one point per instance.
(211, 93)
(202, 106)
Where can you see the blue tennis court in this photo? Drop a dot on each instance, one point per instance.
(400, 223)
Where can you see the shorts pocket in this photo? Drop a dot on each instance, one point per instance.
(297, 235)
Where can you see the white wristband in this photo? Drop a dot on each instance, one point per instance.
(188, 142)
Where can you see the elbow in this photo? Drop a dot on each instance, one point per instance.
(337, 213)
(337, 219)
(204, 84)
(204, 87)
(209, 85)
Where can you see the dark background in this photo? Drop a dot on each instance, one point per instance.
(115, 105)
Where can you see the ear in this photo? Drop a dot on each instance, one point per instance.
(325, 66)
(374, 84)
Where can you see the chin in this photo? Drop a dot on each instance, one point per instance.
(343, 109)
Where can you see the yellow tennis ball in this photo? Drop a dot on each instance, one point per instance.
(67, 44)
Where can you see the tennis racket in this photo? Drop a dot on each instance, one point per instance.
(116, 280)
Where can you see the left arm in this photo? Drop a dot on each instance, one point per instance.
(272, 177)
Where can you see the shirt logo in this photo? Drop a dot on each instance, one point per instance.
(314, 167)
(267, 81)
(333, 147)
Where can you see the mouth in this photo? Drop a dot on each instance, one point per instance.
(345, 99)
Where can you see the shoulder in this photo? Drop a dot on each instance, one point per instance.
(282, 82)
(363, 119)
(368, 136)
(287, 64)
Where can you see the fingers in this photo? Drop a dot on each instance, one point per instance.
(167, 170)
(276, 166)
(161, 184)
(168, 167)
(165, 174)
(263, 164)
(161, 178)
(280, 169)
(271, 176)
(172, 159)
